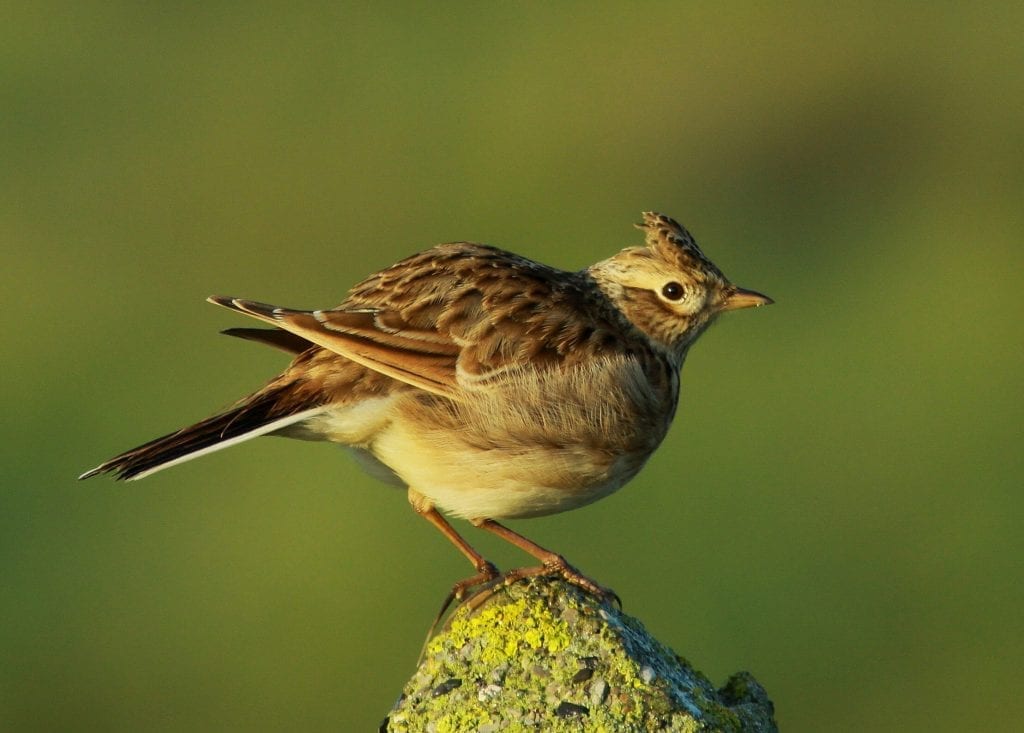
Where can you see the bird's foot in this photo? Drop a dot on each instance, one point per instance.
(486, 573)
(556, 565)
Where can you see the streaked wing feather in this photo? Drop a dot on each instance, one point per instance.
(459, 315)
(429, 371)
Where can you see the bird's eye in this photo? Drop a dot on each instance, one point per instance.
(673, 291)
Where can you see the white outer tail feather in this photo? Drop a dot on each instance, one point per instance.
(265, 429)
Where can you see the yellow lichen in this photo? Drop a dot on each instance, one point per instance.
(521, 624)
(518, 657)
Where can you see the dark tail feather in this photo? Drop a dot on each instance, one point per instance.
(261, 414)
(284, 340)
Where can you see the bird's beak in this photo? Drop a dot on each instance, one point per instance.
(741, 298)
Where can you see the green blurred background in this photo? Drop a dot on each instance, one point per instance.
(838, 506)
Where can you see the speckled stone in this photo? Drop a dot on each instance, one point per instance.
(543, 654)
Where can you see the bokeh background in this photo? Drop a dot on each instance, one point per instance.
(838, 506)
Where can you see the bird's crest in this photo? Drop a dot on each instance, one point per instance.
(665, 234)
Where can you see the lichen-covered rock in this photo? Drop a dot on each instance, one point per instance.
(543, 655)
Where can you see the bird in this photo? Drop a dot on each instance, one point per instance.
(489, 386)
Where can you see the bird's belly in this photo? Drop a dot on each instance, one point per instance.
(468, 475)
(471, 482)
(500, 484)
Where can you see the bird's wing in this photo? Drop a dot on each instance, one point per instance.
(456, 316)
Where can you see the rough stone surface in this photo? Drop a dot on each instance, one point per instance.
(543, 655)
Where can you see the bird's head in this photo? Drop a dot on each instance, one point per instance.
(668, 288)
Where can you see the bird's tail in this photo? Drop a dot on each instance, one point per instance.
(261, 414)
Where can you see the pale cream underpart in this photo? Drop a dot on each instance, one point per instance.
(531, 444)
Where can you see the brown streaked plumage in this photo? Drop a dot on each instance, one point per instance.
(489, 385)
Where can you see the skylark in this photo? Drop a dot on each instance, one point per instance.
(488, 385)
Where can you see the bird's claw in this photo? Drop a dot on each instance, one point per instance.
(557, 566)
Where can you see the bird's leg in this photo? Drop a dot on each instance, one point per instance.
(485, 570)
(551, 562)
